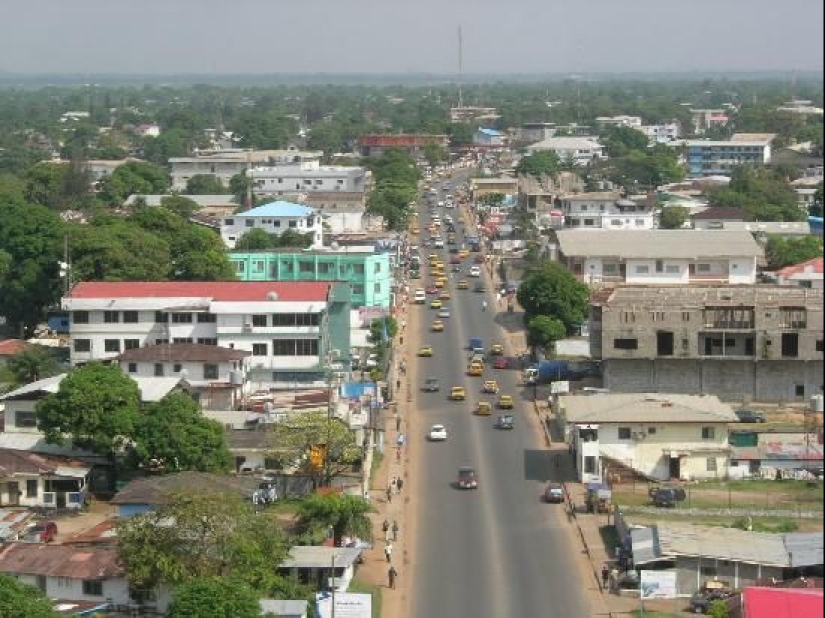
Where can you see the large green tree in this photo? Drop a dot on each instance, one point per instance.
(19, 600)
(346, 515)
(205, 184)
(216, 597)
(781, 251)
(96, 405)
(543, 331)
(133, 177)
(31, 246)
(257, 239)
(552, 290)
(673, 217)
(215, 535)
(173, 435)
(538, 164)
(33, 363)
(301, 436)
(762, 193)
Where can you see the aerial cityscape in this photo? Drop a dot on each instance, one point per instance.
(433, 310)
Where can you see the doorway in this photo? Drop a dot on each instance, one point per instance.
(13, 489)
(675, 467)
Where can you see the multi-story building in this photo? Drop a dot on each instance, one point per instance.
(488, 138)
(224, 164)
(662, 133)
(704, 119)
(659, 257)
(479, 187)
(342, 212)
(581, 150)
(763, 343)
(273, 218)
(718, 158)
(368, 273)
(472, 114)
(307, 177)
(290, 329)
(634, 122)
(605, 210)
(800, 106)
(375, 145)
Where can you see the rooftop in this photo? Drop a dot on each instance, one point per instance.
(155, 489)
(719, 296)
(54, 560)
(10, 347)
(218, 291)
(13, 463)
(593, 195)
(278, 209)
(151, 388)
(565, 143)
(200, 200)
(319, 557)
(812, 266)
(183, 352)
(646, 408)
(658, 244)
(728, 213)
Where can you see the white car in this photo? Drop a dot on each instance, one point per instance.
(475, 271)
(372, 361)
(420, 297)
(444, 312)
(438, 433)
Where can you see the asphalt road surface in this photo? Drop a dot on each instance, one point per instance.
(497, 551)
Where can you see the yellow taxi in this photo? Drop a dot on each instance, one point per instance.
(433, 257)
(439, 265)
(435, 304)
(425, 350)
(445, 295)
(490, 386)
(505, 402)
(441, 279)
(438, 283)
(463, 285)
(458, 393)
(496, 349)
(484, 408)
(475, 369)
(437, 326)
(464, 253)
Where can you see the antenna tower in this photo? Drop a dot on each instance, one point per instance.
(460, 68)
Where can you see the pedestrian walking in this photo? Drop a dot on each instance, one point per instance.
(605, 574)
(394, 530)
(388, 552)
(397, 422)
(398, 385)
(398, 454)
(386, 526)
(389, 494)
(391, 575)
(614, 579)
(399, 484)
(393, 484)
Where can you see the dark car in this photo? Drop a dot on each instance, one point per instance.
(467, 478)
(505, 421)
(500, 362)
(44, 532)
(554, 493)
(431, 385)
(749, 416)
(666, 496)
(480, 287)
(701, 601)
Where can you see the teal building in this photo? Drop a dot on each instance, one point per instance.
(369, 274)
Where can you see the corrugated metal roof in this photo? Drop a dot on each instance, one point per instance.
(643, 408)
(46, 385)
(658, 244)
(320, 557)
(645, 545)
(804, 548)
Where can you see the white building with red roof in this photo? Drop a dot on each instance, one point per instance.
(807, 274)
(288, 329)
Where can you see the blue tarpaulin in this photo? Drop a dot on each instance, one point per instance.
(356, 390)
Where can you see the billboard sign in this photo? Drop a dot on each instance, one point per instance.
(657, 584)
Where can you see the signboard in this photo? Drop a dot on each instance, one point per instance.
(657, 584)
(560, 388)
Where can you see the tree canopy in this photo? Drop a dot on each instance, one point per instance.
(96, 405)
(538, 164)
(543, 331)
(673, 217)
(762, 193)
(552, 290)
(133, 177)
(257, 239)
(781, 251)
(205, 184)
(395, 186)
(216, 597)
(344, 514)
(33, 363)
(172, 435)
(23, 601)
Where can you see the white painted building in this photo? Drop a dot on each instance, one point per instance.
(662, 133)
(306, 177)
(660, 257)
(634, 122)
(581, 150)
(605, 210)
(662, 436)
(282, 325)
(274, 218)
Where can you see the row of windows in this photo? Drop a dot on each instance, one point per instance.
(116, 345)
(286, 319)
(210, 370)
(133, 317)
(625, 433)
(307, 181)
(307, 268)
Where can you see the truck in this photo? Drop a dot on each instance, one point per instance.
(557, 370)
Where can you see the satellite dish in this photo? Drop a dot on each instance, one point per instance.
(272, 295)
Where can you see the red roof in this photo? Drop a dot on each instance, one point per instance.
(783, 602)
(225, 291)
(402, 140)
(814, 265)
(10, 347)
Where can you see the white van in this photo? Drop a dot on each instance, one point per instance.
(420, 297)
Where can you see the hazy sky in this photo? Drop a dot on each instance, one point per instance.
(398, 36)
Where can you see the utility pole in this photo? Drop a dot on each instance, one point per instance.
(333, 582)
(460, 69)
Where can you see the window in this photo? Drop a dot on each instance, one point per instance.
(111, 317)
(615, 222)
(306, 267)
(325, 268)
(589, 464)
(708, 433)
(93, 587)
(626, 344)
(82, 345)
(259, 349)
(249, 223)
(259, 320)
(306, 347)
(703, 268)
(651, 431)
(376, 268)
(276, 223)
(729, 317)
(161, 341)
(293, 224)
(376, 288)
(799, 390)
(207, 318)
(685, 316)
(820, 345)
(80, 317)
(672, 269)
(624, 433)
(611, 269)
(208, 340)
(660, 266)
(710, 464)
(229, 221)
(25, 419)
(793, 317)
(358, 288)
(130, 317)
(258, 266)
(161, 317)
(358, 269)
(639, 222)
(176, 368)
(182, 340)
(159, 370)
(210, 371)
(790, 345)
(240, 267)
(589, 222)
(642, 270)
(111, 345)
(31, 489)
(131, 344)
(132, 368)
(283, 347)
(181, 318)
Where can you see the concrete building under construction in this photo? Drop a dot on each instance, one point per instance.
(754, 343)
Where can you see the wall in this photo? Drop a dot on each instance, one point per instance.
(116, 589)
(689, 577)
(19, 405)
(193, 370)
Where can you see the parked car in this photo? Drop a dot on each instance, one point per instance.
(746, 415)
(554, 493)
(43, 532)
(666, 496)
(701, 600)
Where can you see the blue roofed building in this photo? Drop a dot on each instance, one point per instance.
(488, 137)
(273, 218)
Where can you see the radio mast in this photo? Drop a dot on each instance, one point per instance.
(460, 68)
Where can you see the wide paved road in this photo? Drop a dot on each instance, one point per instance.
(499, 551)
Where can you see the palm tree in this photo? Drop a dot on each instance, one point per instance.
(345, 515)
